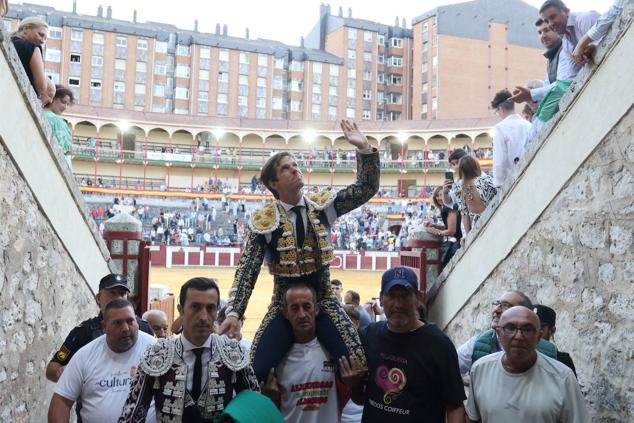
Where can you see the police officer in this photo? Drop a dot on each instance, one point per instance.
(111, 287)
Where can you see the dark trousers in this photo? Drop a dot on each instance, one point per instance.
(334, 328)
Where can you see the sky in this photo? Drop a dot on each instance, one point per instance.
(280, 20)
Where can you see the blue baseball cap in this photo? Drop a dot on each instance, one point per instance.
(399, 275)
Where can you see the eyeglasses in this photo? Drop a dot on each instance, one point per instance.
(502, 304)
(511, 329)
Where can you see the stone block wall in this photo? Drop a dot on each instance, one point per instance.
(42, 296)
(578, 258)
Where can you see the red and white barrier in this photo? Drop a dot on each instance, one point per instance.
(174, 256)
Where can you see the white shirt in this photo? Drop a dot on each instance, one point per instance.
(509, 136)
(101, 378)
(190, 359)
(577, 26)
(548, 392)
(604, 23)
(307, 382)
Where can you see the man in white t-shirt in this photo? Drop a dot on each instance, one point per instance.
(100, 373)
(304, 385)
(519, 384)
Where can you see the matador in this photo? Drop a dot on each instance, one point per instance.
(293, 234)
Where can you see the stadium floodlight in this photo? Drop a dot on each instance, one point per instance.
(402, 136)
(218, 133)
(123, 125)
(309, 135)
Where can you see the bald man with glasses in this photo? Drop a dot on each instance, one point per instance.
(487, 342)
(520, 385)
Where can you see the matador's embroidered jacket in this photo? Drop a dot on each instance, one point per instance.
(162, 376)
(272, 234)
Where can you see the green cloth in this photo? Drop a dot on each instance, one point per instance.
(249, 407)
(485, 345)
(549, 106)
(60, 130)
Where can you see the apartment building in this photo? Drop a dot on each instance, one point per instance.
(447, 66)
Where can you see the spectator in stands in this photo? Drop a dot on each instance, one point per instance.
(551, 41)
(585, 48)
(476, 191)
(101, 371)
(29, 41)
(62, 99)
(304, 384)
(488, 342)
(413, 370)
(519, 385)
(352, 298)
(548, 319)
(509, 136)
(450, 230)
(571, 27)
(157, 319)
(450, 186)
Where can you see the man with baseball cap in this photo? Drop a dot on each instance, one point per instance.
(412, 372)
(111, 287)
(548, 318)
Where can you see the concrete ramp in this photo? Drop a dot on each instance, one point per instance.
(51, 255)
(562, 231)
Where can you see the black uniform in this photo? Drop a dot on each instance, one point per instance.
(81, 335)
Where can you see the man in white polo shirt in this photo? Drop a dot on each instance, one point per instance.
(100, 373)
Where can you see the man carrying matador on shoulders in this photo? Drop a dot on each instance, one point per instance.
(293, 234)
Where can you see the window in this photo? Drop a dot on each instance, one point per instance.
(119, 64)
(395, 80)
(139, 89)
(141, 67)
(263, 60)
(278, 82)
(276, 103)
(160, 69)
(395, 61)
(243, 100)
(53, 55)
(95, 84)
(260, 102)
(141, 44)
(297, 66)
(244, 58)
(367, 57)
(367, 36)
(317, 67)
(367, 94)
(296, 106)
(396, 42)
(351, 93)
(203, 96)
(316, 98)
(182, 50)
(243, 80)
(97, 61)
(379, 96)
(203, 107)
(316, 89)
(350, 113)
(97, 38)
(53, 76)
(352, 83)
(352, 55)
(434, 61)
(181, 93)
(158, 108)
(223, 55)
(73, 82)
(380, 78)
(205, 53)
(296, 85)
(424, 108)
(381, 39)
(76, 35)
(122, 42)
(75, 58)
(159, 90)
(367, 76)
(381, 59)
(261, 82)
(334, 70)
(425, 67)
(54, 33)
(332, 91)
(222, 99)
(367, 114)
(434, 103)
(279, 63)
(332, 113)
(160, 46)
(352, 73)
(352, 33)
(182, 71)
(223, 77)
(203, 75)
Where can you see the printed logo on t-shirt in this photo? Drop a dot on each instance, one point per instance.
(117, 381)
(311, 395)
(328, 366)
(391, 381)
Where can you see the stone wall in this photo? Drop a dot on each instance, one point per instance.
(42, 296)
(578, 258)
(51, 255)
